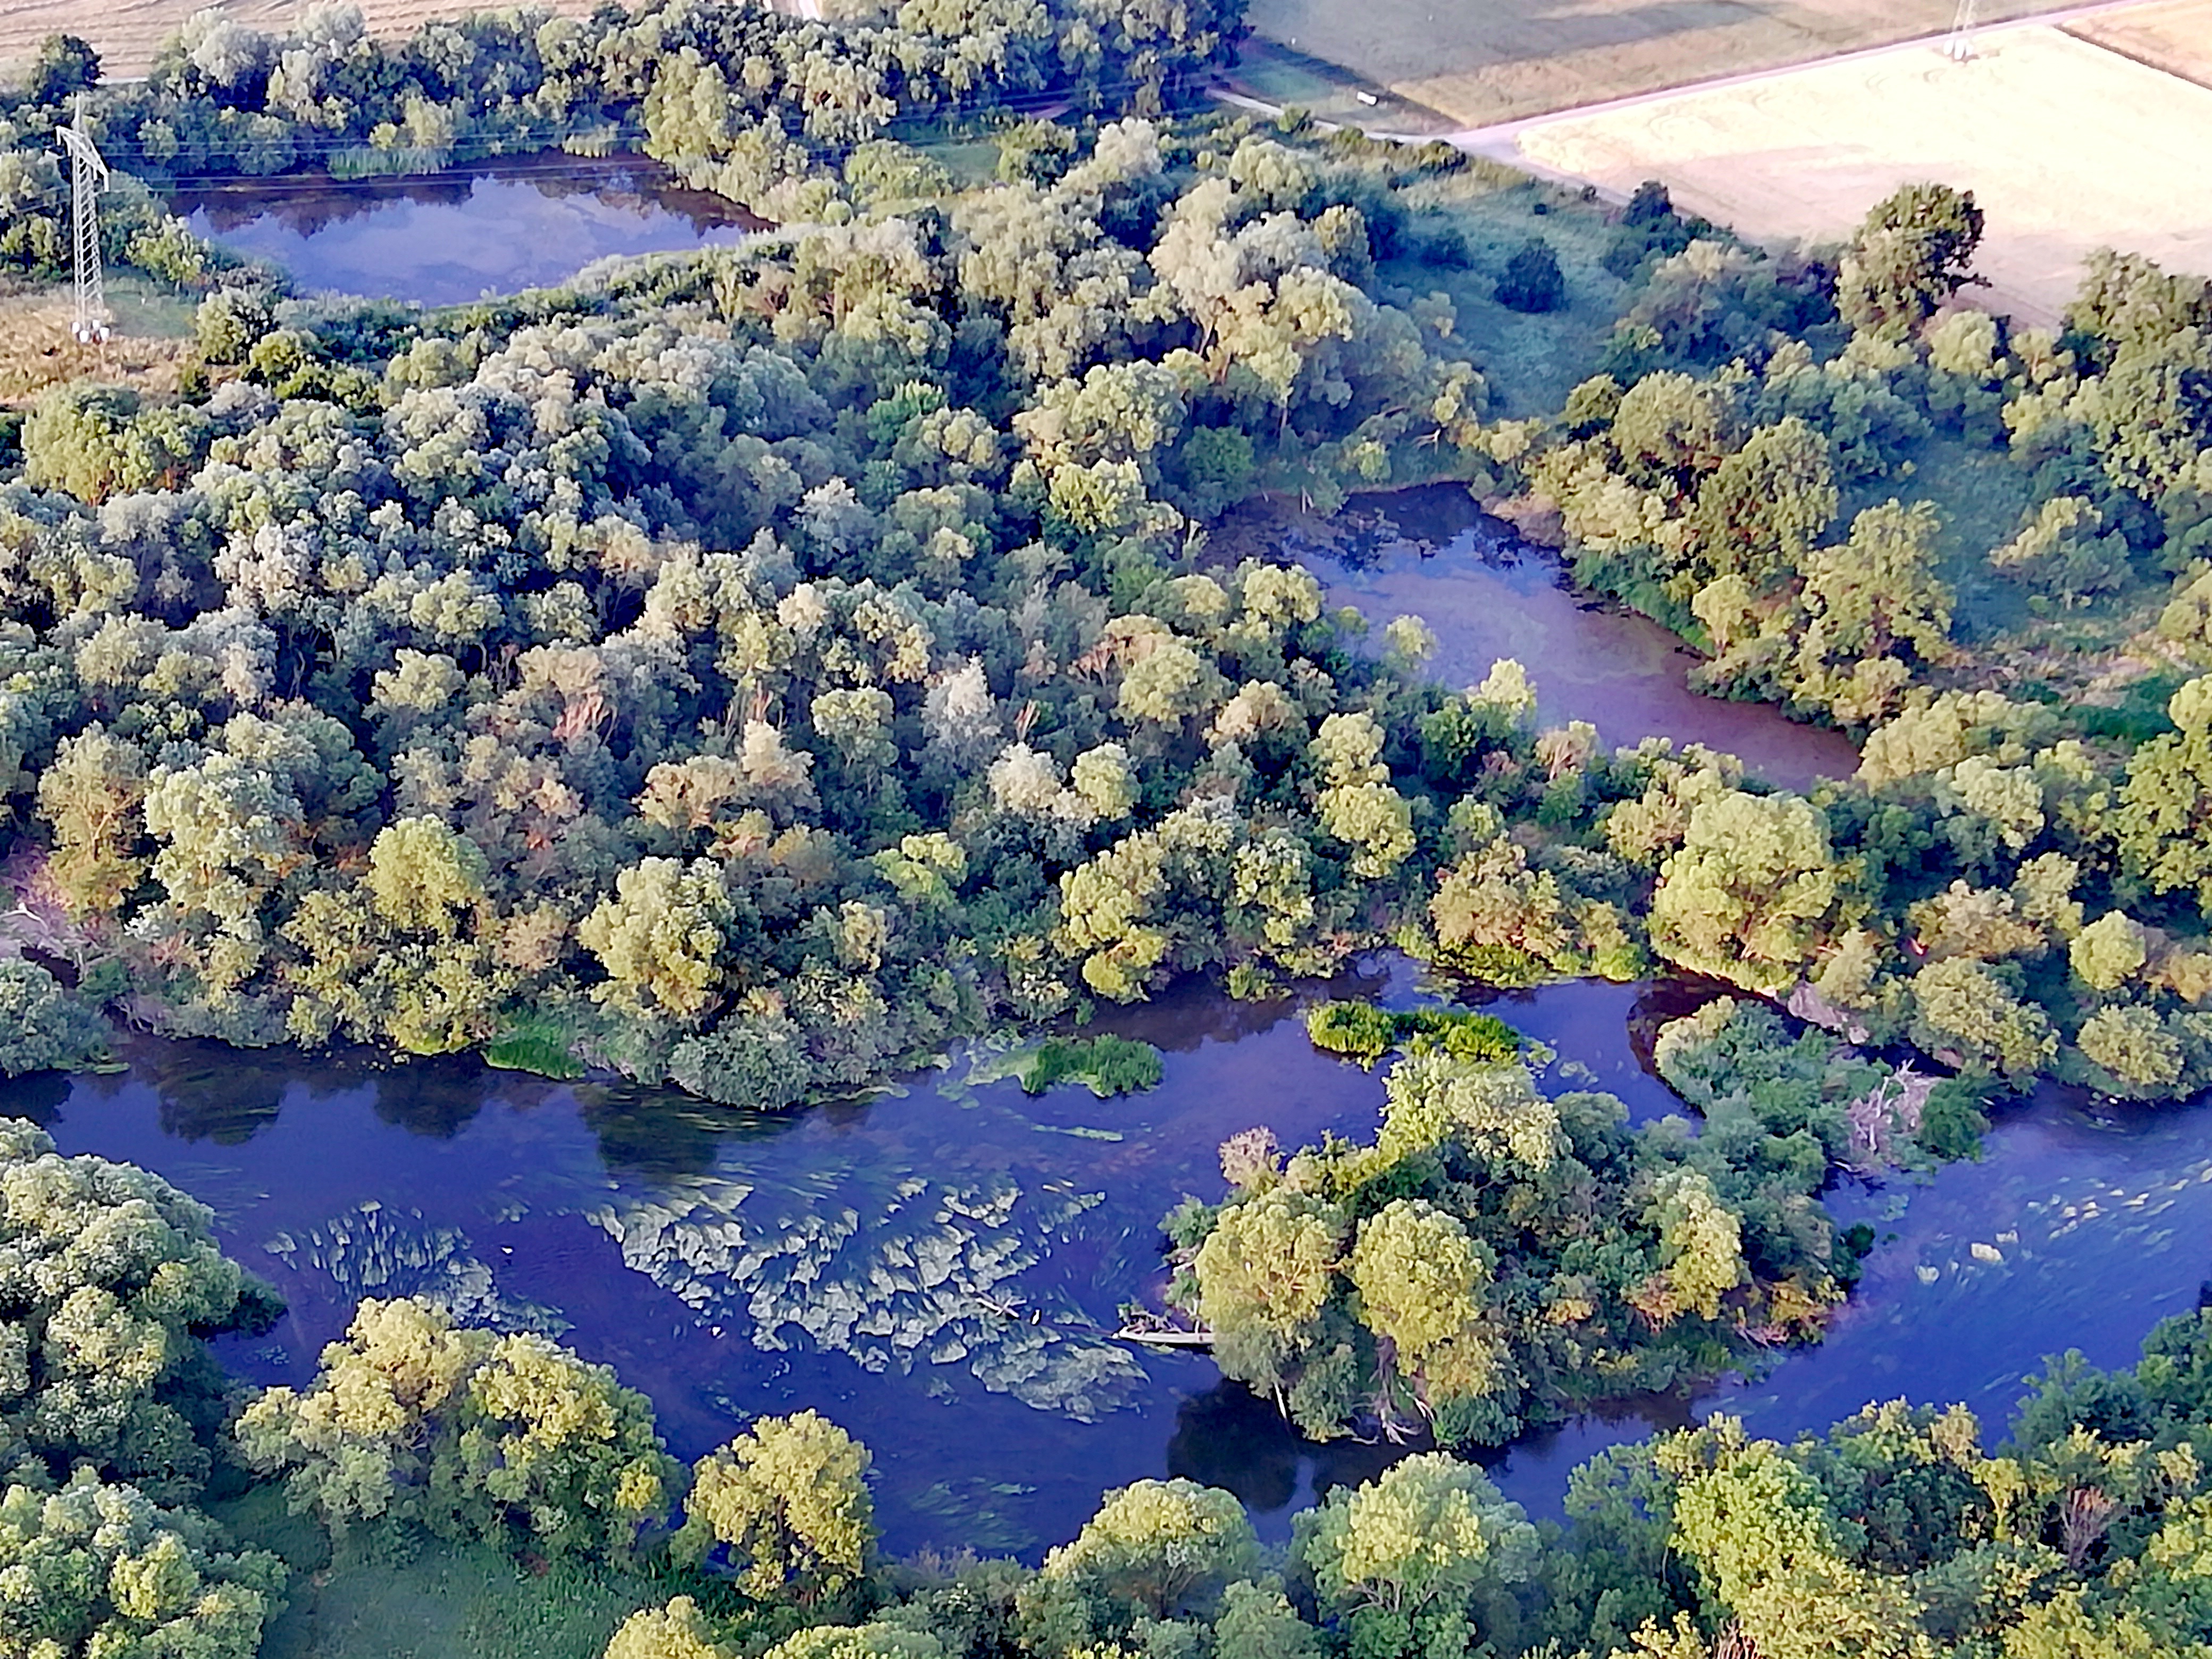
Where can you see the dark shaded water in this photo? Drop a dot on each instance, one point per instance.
(457, 236)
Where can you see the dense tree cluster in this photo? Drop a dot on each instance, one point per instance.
(1896, 1534)
(752, 670)
(693, 80)
(1498, 1255)
(113, 1414)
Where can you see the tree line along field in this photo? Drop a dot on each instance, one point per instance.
(2067, 148)
(126, 36)
(1503, 59)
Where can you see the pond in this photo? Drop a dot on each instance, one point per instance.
(454, 237)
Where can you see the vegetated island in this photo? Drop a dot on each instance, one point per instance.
(758, 669)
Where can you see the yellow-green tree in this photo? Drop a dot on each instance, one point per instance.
(788, 1500)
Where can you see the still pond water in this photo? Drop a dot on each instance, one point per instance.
(939, 1269)
(443, 240)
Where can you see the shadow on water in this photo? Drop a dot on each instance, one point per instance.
(1228, 1437)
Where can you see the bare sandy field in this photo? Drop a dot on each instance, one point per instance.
(126, 32)
(1484, 61)
(2175, 35)
(2067, 147)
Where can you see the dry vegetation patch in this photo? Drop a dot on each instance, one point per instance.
(2066, 146)
(1483, 61)
(37, 350)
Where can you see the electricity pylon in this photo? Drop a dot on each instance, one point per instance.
(87, 178)
(1960, 47)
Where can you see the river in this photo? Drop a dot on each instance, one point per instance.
(938, 1268)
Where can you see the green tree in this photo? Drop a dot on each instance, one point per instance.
(874, 1641)
(95, 1570)
(1761, 1529)
(358, 1443)
(43, 1027)
(91, 795)
(1700, 1242)
(2168, 800)
(1912, 251)
(412, 1418)
(2060, 551)
(1967, 1010)
(114, 1282)
(1532, 280)
(422, 873)
(1420, 1277)
(64, 67)
(2109, 951)
(1744, 897)
(678, 1630)
(1409, 1554)
(1166, 1547)
(1264, 1274)
(1766, 505)
(663, 938)
(788, 1500)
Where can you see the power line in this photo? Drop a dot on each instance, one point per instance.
(87, 178)
(1959, 47)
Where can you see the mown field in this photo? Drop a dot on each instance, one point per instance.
(1498, 60)
(2066, 146)
(2174, 35)
(126, 35)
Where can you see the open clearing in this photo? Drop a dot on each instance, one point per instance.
(126, 34)
(1484, 61)
(2175, 35)
(2066, 146)
(37, 350)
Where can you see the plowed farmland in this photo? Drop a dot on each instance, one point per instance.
(2175, 35)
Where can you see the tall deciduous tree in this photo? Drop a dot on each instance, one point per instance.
(1912, 251)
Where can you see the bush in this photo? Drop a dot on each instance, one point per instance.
(1363, 1032)
(1532, 281)
(1110, 1065)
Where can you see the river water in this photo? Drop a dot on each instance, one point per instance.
(938, 1269)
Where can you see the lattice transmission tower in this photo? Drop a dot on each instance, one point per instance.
(1959, 47)
(87, 178)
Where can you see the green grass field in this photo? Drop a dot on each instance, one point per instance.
(1529, 361)
(373, 1599)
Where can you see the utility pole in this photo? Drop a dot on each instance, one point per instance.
(87, 178)
(1960, 48)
